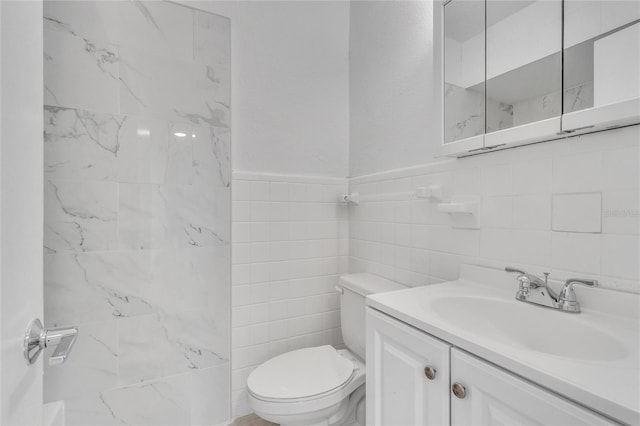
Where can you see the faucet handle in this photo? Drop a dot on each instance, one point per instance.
(567, 292)
(524, 281)
(567, 296)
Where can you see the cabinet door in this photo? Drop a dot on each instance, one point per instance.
(496, 397)
(464, 75)
(398, 389)
(601, 64)
(524, 71)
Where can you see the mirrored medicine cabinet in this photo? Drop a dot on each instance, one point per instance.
(522, 71)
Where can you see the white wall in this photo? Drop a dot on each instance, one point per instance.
(22, 203)
(290, 85)
(393, 100)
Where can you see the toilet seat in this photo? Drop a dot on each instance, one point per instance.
(308, 410)
(302, 374)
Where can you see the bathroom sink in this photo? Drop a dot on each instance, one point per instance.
(592, 356)
(529, 327)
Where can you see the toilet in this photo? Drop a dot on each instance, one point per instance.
(321, 385)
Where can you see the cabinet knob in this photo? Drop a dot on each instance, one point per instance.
(430, 372)
(459, 390)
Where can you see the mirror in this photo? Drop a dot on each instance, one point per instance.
(464, 73)
(524, 62)
(602, 52)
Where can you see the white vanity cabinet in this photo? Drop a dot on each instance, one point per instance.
(493, 396)
(464, 391)
(407, 374)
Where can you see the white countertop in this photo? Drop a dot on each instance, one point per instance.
(609, 386)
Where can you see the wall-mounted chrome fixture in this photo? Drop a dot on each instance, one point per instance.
(351, 198)
(434, 191)
(37, 338)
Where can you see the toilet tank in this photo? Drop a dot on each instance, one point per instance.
(354, 288)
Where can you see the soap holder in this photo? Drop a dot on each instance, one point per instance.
(464, 212)
(462, 207)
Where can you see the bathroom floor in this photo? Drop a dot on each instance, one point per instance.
(251, 420)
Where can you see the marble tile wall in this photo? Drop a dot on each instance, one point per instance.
(289, 247)
(410, 241)
(138, 211)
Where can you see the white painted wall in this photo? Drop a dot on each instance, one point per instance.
(393, 103)
(21, 197)
(290, 85)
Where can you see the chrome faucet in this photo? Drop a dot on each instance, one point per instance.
(535, 290)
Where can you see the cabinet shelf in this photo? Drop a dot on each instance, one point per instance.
(508, 86)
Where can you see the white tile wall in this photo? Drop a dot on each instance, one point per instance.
(577, 212)
(289, 246)
(411, 242)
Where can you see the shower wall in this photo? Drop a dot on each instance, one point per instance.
(137, 210)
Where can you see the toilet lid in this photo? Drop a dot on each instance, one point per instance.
(301, 373)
